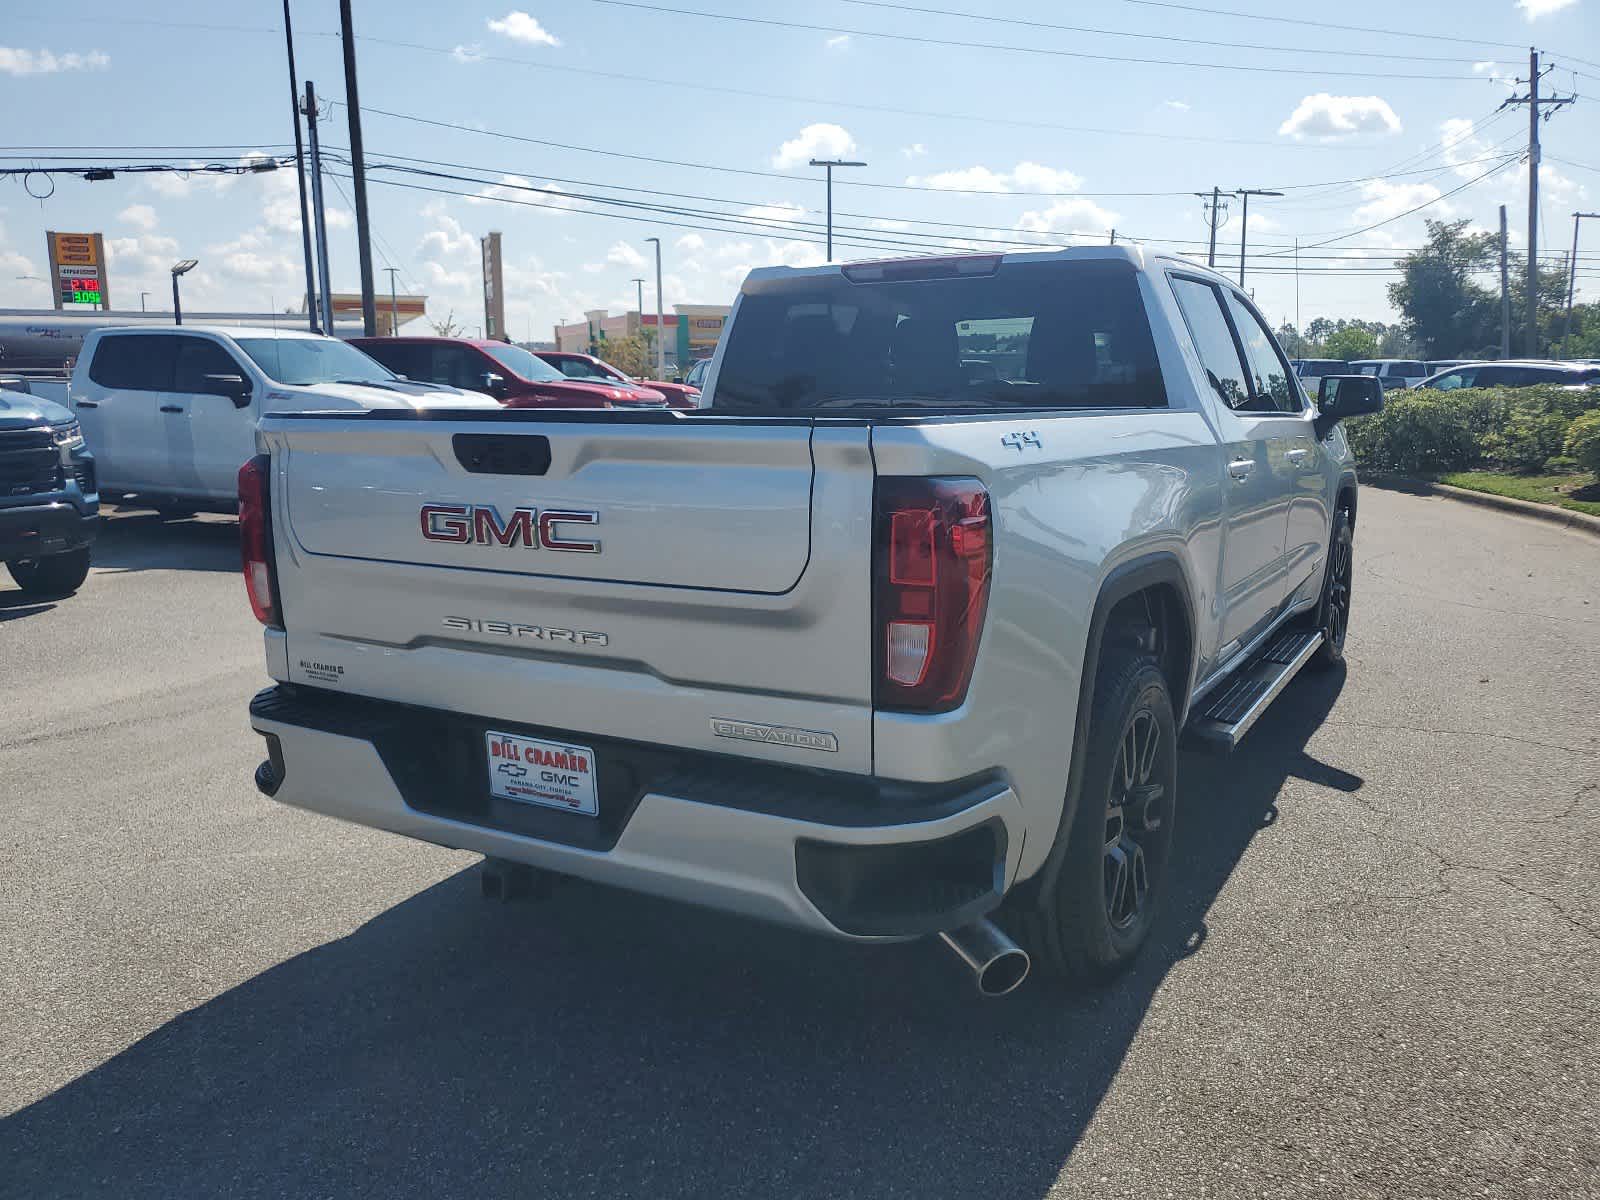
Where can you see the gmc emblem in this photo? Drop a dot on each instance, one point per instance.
(482, 525)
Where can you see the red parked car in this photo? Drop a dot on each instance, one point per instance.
(508, 373)
(588, 368)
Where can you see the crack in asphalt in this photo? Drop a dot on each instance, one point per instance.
(1473, 733)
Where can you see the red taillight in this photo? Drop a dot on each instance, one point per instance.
(932, 555)
(255, 538)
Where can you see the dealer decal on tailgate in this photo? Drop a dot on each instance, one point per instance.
(538, 772)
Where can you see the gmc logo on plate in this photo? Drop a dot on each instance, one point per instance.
(481, 524)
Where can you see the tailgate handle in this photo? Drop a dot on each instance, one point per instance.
(502, 453)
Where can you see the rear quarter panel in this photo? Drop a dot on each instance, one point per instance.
(1098, 491)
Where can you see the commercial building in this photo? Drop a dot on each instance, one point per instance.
(691, 331)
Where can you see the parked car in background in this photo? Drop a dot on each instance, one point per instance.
(696, 377)
(1513, 373)
(1395, 373)
(595, 370)
(1316, 368)
(49, 510)
(1435, 366)
(509, 374)
(170, 411)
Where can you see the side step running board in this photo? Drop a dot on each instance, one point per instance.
(1227, 715)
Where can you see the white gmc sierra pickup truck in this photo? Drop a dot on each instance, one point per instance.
(898, 632)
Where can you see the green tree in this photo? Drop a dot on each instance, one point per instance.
(447, 328)
(1443, 308)
(1351, 342)
(633, 354)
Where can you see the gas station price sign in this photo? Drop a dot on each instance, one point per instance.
(79, 288)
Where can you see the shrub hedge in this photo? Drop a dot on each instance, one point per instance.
(1503, 429)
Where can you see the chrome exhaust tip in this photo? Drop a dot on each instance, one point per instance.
(997, 963)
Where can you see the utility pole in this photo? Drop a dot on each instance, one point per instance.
(1534, 102)
(1113, 235)
(394, 304)
(300, 173)
(1244, 222)
(1215, 209)
(639, 283)
(1572, 276)
(1505, 289)
(319, 213)
(661, 325)
(358, 169)
(1297, 329)
(830, 164)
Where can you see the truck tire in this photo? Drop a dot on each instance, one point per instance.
(57, 575)
(1090, 917)
(1333, 610)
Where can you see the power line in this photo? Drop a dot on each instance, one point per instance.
(1051, 52)
(1249, 16)
(1320, 51)
(790, 179)
(1416, 208)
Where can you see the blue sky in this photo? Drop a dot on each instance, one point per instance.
(1072, 140)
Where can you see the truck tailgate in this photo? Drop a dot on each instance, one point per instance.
(680, 580)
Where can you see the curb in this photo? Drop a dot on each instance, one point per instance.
(1576, 521)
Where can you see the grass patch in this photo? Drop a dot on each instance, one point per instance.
(1581, 492)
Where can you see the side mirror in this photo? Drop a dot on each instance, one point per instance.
(494, 384)
(235, 387)
(1342, 396)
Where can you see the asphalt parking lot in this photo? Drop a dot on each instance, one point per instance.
(1376, 974)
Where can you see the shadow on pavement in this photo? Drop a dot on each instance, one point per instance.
(16, 603)
(607, 1044)
(146, 541)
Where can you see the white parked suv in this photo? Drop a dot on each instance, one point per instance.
(170, 411)
(899, 631)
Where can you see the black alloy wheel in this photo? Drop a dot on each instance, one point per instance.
(1137, 809)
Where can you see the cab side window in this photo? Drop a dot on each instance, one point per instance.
(1272, 386)
(135, 362)
(197, 358)
(1213, 340)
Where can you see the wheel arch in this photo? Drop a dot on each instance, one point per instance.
(1153, 573)
(1345, 496)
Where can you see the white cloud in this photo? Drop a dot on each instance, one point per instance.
(468, 54)
(448, 239)
(915, 150)
(520, 27)
(1383, 200)
(735, 250)
(1180, 105)
(1024, 177)
(892, 226)
(841, 42)
(623, 255)
(141, 215)
(691, 241)
(1325, 116)
(15, 61)
(1534, 9)
(777, 210)
(821, 140)
(1069, 216)
(1496, 73)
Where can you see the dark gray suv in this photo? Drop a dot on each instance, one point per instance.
(49, 505)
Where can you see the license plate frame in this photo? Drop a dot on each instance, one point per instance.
(537, 771)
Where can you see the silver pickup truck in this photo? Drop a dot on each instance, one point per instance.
(896, 636)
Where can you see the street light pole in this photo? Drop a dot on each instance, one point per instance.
(1244, 222)
(829, 164)
(180, 268)
(1572, 276)
(142, 297)
(661, 341)
(639, 282)
(394, 305)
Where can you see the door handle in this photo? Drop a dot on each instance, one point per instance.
(172, 408)
(88, 404)
(1239, 468)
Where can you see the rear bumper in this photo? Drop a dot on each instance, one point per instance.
(841, 855)
(56, 526)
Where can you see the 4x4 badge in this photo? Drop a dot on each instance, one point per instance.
(1021, 439)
